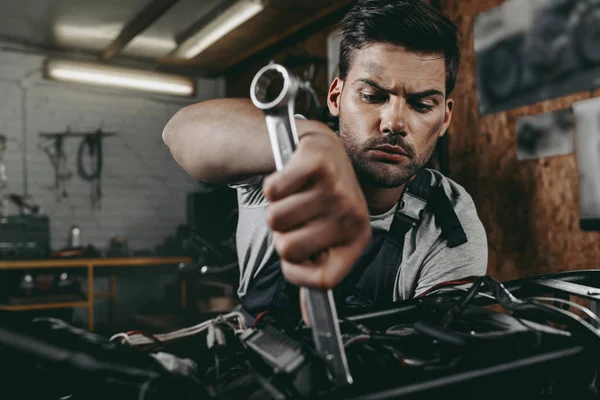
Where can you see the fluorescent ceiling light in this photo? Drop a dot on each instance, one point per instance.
(100, 36)
(117, 77)
(230, 19)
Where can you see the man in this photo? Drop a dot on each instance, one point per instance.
(339, 215)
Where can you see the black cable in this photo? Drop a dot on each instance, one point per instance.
(144, 390)
(530, 308)
(93, 145)
(440, 334)
(217, 367)
(524, 308)
(460, 306)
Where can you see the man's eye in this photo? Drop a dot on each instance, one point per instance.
(372, 98)
(422, 107)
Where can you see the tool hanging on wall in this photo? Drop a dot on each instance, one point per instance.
(88, 154)
(91, 146)
(3, 178)
(54, 148)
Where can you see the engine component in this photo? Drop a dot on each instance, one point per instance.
(444, 344)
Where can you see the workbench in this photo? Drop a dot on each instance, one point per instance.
(90, 264)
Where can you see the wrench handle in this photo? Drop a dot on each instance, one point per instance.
(282, 134)
(279, 114)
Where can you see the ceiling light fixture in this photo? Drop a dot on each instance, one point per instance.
(96, 38)
(118, 77)
(231, 18)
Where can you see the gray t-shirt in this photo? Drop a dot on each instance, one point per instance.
(426, 260)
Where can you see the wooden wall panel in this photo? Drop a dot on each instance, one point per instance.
(530, 209)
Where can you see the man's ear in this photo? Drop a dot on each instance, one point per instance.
(447, 116)
(334, 96)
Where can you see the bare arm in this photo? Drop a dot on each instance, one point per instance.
(316, 205)
(224, 141)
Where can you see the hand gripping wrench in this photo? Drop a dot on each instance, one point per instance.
(274, 90)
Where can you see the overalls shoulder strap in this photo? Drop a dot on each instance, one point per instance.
(371, 280)
(420, 195)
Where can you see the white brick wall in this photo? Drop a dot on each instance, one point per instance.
(143, 188)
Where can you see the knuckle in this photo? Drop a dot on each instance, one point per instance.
(284, 247)
(293, 274)
(287, 271)
(271, 217)
(335, 192)
(344, 204)
(272, 186)
(268, 189)
(327, 169)
(357, 225)
(319, 163)
(326, 282)
(328, 278)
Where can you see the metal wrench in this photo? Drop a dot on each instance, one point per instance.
(274, 90)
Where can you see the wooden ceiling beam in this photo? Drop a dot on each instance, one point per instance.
(149, 15)
(292, 36)
(304, 28)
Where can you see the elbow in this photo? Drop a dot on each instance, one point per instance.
(169, 133)
(184, 144)
(174, 137)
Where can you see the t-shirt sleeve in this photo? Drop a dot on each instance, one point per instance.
(254, 239)
(444, 263)
(250, 192)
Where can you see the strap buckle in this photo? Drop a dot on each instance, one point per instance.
(412, 206)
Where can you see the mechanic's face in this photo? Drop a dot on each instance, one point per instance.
(392, 110)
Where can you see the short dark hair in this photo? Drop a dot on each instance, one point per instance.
(412, 24)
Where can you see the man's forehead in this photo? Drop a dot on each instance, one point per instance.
(394, 64)
(392, 70)
(373, 67)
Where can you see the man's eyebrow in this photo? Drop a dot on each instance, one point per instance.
(374, 84)
(426, 93)
(417, 95)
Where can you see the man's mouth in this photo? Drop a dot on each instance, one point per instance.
(386, 152)
(388, 148)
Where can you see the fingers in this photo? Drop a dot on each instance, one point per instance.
(293, 211)
(300, 172)
(281, 184)
(317, 208)
(313, 238)
(328, 269)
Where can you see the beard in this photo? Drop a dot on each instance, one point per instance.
(380, 173)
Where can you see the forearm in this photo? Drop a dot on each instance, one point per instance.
(224, 141)
(220, 141)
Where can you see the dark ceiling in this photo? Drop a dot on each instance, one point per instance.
(146, 32)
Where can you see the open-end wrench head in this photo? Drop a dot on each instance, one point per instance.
(273, 87)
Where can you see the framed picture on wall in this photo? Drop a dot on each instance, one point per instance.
(587, 145)
(532, 50)
(545, 135)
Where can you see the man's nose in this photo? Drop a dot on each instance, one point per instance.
(393, 118)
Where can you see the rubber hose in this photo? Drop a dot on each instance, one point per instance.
(94, 147)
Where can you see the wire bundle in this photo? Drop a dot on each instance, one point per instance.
(139, 338)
